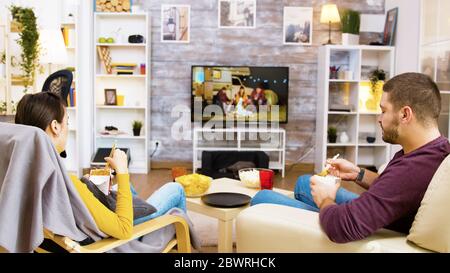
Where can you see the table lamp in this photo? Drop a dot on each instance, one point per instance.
(329, 15)
(53, 49)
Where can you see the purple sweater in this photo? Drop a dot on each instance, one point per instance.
(393, 198)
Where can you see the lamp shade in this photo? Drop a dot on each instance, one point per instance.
(329, 13)
(53, 49)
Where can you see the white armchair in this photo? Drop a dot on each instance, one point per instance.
(277, 228)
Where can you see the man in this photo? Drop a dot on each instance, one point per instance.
(410, 107)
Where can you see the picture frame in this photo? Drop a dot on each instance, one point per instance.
(236, 14)
(390, 27)
(175, 23)
(110, 96)
(297, 25)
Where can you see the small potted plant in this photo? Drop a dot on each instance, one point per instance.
(2, 64)
(377, 78)
(137, 125)
(350, 21)
(332, 134)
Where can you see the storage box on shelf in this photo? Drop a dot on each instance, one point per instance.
(347, 102)
(270, 141)
(118, 67)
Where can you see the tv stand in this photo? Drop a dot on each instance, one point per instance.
(271, 141)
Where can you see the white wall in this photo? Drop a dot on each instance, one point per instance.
(407, 34)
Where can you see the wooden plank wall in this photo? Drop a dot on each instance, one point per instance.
(262, 46)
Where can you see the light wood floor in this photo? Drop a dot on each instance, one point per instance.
(146, 184)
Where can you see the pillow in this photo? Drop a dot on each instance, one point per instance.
(431, 226)
(140, 207)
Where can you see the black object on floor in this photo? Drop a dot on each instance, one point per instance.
(216, 163)
(226, 199)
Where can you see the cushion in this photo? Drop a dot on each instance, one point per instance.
(431, 226)
(140, 207)
(239, 166)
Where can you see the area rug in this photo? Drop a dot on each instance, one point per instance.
(207, 228)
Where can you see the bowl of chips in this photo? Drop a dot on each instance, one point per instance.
(195, 185)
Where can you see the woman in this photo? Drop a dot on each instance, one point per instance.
(46, 111)
(240, 95)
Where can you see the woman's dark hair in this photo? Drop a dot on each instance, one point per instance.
(40, 110)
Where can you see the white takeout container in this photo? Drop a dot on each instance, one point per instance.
(101, 181)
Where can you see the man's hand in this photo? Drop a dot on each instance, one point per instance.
(321, 192)
(343, 168)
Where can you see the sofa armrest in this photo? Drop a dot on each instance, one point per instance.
(276, 228)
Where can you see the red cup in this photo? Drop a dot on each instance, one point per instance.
(266, 179)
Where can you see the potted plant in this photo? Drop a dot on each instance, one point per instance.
(137, 125)
(28, 41)
(332, 134)
(377, 78)
(3, 108)
(2, 64)
(350, 21)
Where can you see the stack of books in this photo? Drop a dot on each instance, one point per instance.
(123, 68)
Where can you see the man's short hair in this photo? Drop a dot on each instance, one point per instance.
(417, 91)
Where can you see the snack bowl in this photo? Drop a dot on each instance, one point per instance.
(101, 178)
(195, 185)
(328, 179)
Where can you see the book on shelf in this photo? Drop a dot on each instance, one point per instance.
(71, 98)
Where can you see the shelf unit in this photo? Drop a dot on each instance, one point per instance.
(354, 93)
(73, 161)
(135, 88)
(434, 52)
(271, 141)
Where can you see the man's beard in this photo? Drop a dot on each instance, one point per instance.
(390, 135)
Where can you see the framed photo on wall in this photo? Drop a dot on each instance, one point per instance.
(110, 97)
(390, 27)
(237, 13)
(175, 23)
(297, 25)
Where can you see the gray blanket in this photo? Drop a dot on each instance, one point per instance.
(36, 192)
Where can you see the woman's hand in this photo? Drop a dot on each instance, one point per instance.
(343, 168)
(118, 162)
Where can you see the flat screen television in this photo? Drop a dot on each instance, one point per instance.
(239, 93)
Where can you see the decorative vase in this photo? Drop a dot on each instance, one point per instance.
(350, 39)
(136, 132)
(343, 138)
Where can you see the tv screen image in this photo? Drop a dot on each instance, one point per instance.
(240, 93)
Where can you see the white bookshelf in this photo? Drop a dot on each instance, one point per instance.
(271, 140)
(135, 88)
(72, 161)
(434, 50)
(360, 121)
